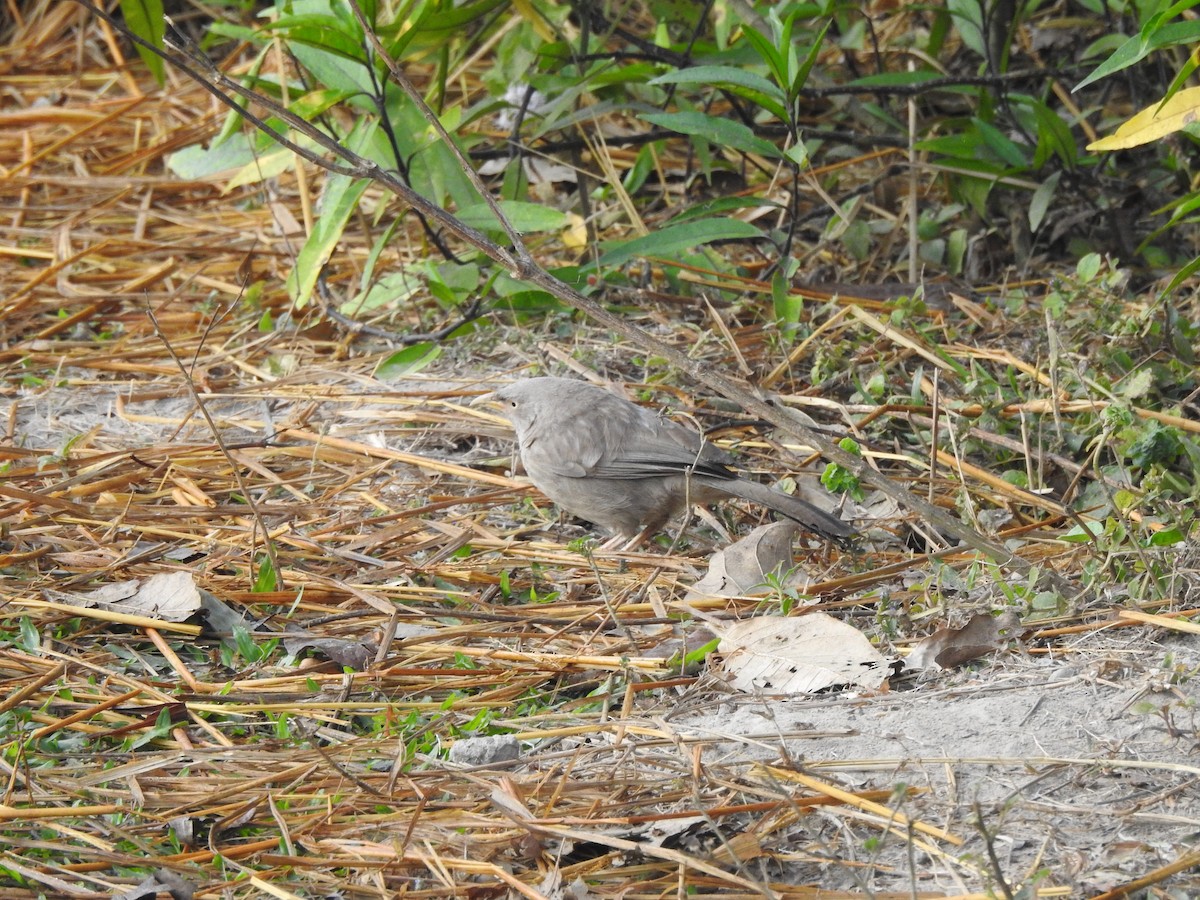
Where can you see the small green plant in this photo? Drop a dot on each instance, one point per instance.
(245, 649)
(480, 725)
(530, 594)
(782, 592)
(30, 637)
(281, 724)
(267, 579)
(840, 480)
(691, 660)
(1180, 673)
(161, 729)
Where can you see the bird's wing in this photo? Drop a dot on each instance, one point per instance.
(583, 428)
(595, 434)
(657, 447)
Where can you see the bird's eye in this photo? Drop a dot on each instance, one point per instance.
(512, 403)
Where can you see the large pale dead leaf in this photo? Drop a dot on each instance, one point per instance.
(169, 596)
(105, 596)
(799, 655)
(743, 566)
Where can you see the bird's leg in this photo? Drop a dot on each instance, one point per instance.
(612, 543)
(638, 539)
(703, 512)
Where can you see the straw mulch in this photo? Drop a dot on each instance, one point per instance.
(151, 426)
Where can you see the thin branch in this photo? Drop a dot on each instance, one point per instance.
(234, 466)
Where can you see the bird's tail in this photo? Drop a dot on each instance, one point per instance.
(794, 508)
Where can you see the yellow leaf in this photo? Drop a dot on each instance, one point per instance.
(530, 14)
(1153, 122)
(574, 237)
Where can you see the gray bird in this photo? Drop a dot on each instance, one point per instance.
(623, 467)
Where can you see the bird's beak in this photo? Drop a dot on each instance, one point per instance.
(490, 405)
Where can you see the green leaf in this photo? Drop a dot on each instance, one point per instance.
(452, 283)
(1102, 46)
(370, 11)
(766, 51)
(336, 71)
(524, 217)
(461, 278)
(160, 729)
(956, 250)
(197, 162)
(1133, 50)
(1167, 537)
(339, 201)
(1083, 532)
(1040, 202)
(788, 306)
(968, 19)
(145, 19)
(267, 579)
(565, 112)
(706, 209)
(1158, 32)
(382, 241)
(721, 75)
(798, 154)
(31, 638)
(451, 17)
(408, 361)
(856, 238)
(262, 167)
(525, 303)
(396, 43)
(1088, 267)
(1157, 445)
(1181, 276)
(801, 77)
(1184, 208)
(1176, 33)
(742, 82)
(896, 79)
(960, 145)
(235, 32)
(327, 33)
(316, 102)
(676, 238)
(723, 132)
(234, 120)
(635, 74)
(1182, 76)
(1002, 145)
(244, 642)
(699, 655)
(388, 292)
(1055, 135)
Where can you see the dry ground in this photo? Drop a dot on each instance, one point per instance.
(1063, 766)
